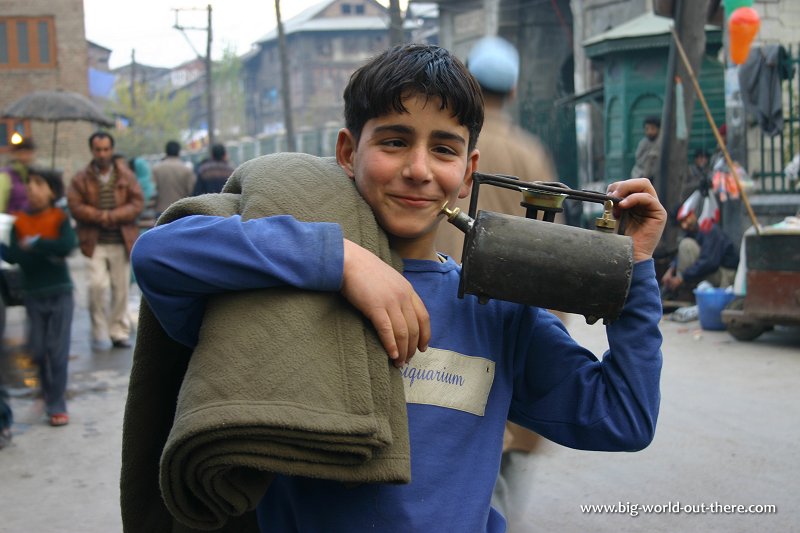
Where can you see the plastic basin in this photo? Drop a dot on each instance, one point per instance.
(710, 303)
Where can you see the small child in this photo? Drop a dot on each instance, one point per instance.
(40, 243)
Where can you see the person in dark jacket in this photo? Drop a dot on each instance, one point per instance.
(704, 254)
(213, 173)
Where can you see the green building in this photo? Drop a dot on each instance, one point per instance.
(634, 58)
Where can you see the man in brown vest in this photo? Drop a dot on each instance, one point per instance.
(105, 200)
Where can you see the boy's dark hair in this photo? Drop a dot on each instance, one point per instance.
(173, 148)
(100, 135)
(701, 152)
(52, 178)
(218, 152)
(379, 87)
(653, 120)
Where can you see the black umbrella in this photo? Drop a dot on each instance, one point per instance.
(56, 106)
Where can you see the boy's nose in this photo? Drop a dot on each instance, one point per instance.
(417, 166)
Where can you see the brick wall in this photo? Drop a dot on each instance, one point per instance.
(70, 74)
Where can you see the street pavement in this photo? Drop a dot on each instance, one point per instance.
(727, 435)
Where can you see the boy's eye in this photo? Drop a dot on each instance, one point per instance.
(394, 142)
(445, 150)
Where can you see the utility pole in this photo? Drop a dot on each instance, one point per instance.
(133, 79)
(209, 86)
(395, 23)
(291, 145)
(690, 18)
(208, 65)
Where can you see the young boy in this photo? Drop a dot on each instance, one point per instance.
(413, 115)
(40, 242)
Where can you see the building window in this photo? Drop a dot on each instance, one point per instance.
(27, 42)
(9, 126)
(43, 33)
(360, 9)
(347, 9)
(324, 47)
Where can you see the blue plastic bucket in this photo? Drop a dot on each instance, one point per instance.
(710, 303)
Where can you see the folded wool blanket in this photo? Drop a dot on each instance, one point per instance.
(281, 381)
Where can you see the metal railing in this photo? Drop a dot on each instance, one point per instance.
(777, 152)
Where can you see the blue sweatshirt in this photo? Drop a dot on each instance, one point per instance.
(485, 363)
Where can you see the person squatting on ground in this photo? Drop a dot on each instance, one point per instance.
(105, 200)
(413, 115)
(705, 253)
(40, 242)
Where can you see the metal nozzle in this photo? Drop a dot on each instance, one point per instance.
(457, 218)
(607, 222)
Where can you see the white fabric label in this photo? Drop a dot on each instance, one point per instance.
(449, 379)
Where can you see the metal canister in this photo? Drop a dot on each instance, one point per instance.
(548, 265)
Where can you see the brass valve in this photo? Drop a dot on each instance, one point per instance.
(607, 223)
(458, 218)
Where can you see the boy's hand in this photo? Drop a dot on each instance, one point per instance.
(646, 216)
(387, 299)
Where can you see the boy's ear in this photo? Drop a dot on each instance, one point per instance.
(472, 166)
(345, 151)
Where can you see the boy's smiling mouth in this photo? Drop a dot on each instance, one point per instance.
(412, 201)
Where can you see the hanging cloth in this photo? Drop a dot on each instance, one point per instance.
(760, 79)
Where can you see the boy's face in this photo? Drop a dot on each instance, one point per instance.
(40, 195)
(407, 166)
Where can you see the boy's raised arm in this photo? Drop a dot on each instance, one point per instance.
(180, 264)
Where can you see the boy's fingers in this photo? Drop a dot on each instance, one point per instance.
(412, 327)
(643, 202)
(401, 334)
(424, 322)
(383, 327)
(624, 188)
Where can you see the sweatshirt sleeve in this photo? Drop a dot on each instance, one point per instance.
(180, 264)
(566, 394)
